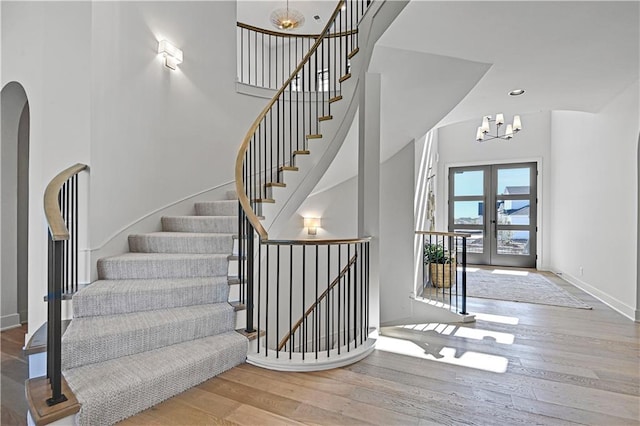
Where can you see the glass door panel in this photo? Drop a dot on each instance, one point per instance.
(514, 218)
(467, 204)
(496, 204)
(468, 213)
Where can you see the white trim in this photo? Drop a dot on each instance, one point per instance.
(7, 322)
(539, 189)
(310, 363)
(612, 302)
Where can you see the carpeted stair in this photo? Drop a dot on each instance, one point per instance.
(158, 320)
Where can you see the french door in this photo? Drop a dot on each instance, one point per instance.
(497, 205)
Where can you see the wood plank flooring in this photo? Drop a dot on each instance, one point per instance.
(13, 373)
(555, 366)
(561, 366)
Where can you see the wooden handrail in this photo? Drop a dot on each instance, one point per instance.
(291, 35)
(242, 197)
(52, 211)
(324, 294)
(319, 242)
(444, 234)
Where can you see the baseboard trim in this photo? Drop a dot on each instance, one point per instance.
(612, 302)
(297, 364)
(8, 322)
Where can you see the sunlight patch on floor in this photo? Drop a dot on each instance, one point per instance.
(506, 272)
(500, 319)
(478, 334)
(462, 332)
(446, 355)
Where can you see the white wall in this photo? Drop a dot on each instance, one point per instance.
(338, 208)
(397, 232)
(595, 200)
(457, 147)
(46, 48)
(159, 135)
(99, 94)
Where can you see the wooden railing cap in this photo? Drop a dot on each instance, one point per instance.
(317, 242)
(444, 234)
(52, 211)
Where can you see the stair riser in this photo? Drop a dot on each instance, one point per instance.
(135, 383)
(217, 208)
(214, 244)
(132, 299)
(215, 265)
(94, 349)
(221, 224)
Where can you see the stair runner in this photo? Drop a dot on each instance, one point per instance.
(158, 320)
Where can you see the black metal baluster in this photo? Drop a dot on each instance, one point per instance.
(316, 312)
(266, 308)
(277, 300)
(464, 276)
(250, 277)
(291, 342)
(304, 318)
(348, 295)
(328, 294)
(339, 296)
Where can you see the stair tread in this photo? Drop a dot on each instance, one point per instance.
(116, 389)
(162, 265)
(91, 327)
(181, 242)
(204, 224)
(95, 339)
(178, 234)
(162, 256)
(110, 297)
(216, 208)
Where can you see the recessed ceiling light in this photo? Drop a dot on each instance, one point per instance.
(516, 92)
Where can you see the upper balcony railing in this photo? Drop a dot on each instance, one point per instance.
(267, 58)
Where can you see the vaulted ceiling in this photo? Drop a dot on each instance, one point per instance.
(567, 55)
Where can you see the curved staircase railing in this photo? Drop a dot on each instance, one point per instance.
(61, 208)
(280, 135)
(313, 309)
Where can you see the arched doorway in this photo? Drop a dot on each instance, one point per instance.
(14, 213)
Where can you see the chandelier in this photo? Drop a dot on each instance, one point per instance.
(484, 131)
(287, 19)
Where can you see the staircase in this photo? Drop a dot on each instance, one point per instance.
(159, 320)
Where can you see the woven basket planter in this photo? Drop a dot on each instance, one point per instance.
(442, 274)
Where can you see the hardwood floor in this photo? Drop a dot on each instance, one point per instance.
(554, 366)
(518, 364)
(13, 373)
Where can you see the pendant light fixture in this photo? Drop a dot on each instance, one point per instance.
(287, 19)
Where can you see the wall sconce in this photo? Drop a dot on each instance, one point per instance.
(172, 55)
(312, 223)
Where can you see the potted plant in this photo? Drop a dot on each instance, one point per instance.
(442, 264)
